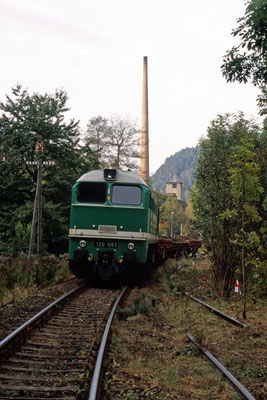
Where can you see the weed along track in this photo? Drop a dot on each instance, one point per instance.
(220, 314)
(237, 385)
(57, 357)
(151, 356)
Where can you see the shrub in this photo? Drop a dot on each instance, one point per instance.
(140, 306)
(30, 274)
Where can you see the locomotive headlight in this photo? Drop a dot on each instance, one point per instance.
(82, 243)
(130, 246)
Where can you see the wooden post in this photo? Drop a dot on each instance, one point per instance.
(34, 219)
(39, 197)
(37, 208)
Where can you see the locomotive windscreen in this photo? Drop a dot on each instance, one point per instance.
(92, 192)
(130, 195)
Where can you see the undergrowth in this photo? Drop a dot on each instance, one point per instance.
(20, 276)
(151, 357)
(140, 306)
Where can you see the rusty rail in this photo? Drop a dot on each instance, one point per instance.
(4, 342)
(236, 384)
(53, 362)
(94, 391)
(217, 312)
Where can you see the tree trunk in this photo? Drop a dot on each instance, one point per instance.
(243, 269)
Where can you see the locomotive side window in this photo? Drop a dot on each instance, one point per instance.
(92, 192)
(123, 194)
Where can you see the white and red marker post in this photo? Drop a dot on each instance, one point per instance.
(237, 290)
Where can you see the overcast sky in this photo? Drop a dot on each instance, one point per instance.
(94, 50)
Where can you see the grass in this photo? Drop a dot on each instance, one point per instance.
(20, 277)
(151, 357)
(140, 306)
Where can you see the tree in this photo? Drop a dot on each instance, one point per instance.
(262, 162)
(212, 193)
(248, 60)
(172, 216)
(189, 227)
(123, 141)
(116, 141)
(95, 139)
(32, 127)
(245, 190)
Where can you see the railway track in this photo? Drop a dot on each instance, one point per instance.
(56, 358)
(219, 314)
(244, 393)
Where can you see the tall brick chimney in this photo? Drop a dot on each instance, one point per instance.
(144, 156)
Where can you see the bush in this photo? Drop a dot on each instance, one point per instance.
(29, 274)
(174, 287)
(140, 306)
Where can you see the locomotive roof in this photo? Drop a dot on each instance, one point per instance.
(121, 177)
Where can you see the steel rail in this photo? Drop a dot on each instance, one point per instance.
(97, 371)
(217, 312)
(237, 385)
(40, 314)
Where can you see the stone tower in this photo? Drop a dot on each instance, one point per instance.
(174, 189)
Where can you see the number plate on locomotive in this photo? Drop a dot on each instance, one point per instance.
(110, 244)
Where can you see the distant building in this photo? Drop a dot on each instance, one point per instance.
(174, 189)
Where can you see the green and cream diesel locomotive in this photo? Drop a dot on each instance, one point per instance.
(113, 225)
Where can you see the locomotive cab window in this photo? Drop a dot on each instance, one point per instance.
(128, 195)
(92, 192)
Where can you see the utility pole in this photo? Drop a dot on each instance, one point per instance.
(39, 202)
(34, 218)
(37, 208)
(172, 223)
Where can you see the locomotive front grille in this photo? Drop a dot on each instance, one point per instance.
(107, 228)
